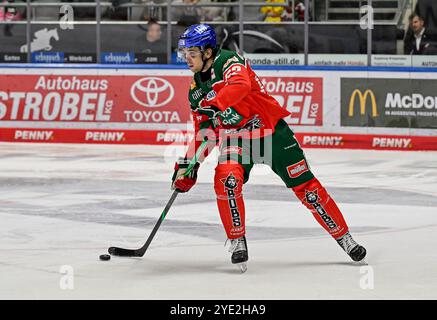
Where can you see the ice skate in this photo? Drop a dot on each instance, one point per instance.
(353, 249)
(239, 253)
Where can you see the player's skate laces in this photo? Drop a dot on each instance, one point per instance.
(353, 249)
(239, 250)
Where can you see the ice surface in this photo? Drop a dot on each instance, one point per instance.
(64, 205)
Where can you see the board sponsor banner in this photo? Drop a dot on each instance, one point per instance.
(424, 61)
(131, 57)
(150, 58)
(176, 137)
(275, 59)
(135, 99)
(96, 136)
(57, 57)
(94, 99)
(381, 60)
(302, 96)
(47, 57)
(329, 109)
(80, 58)
(366, 141)
(337, 60)
(13, 57)
(389, 103)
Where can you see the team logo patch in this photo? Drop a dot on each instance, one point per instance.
(251, 125)
(295, 170)
(313, 199)
(230, 182)
(211, 95)
(233, 149)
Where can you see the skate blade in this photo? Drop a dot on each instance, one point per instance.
(242, 266)
(361, 263)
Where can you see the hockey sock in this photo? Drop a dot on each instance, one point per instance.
(228, 185)
(315, 197)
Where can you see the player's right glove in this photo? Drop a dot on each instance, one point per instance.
(181, 182)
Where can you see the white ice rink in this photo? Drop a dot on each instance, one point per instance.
(61, 206)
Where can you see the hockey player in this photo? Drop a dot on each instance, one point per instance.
(228, 99)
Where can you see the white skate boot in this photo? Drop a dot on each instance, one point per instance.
(353, 249)
(239, 253)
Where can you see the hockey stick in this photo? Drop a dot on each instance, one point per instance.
(116, 251)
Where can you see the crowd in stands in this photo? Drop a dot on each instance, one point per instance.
(293, 10)
(420, 34)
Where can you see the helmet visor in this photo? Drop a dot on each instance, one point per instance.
(185, 53)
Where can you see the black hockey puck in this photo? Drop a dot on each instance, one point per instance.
(105, 257)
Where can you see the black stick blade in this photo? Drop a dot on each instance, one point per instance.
(115, 251)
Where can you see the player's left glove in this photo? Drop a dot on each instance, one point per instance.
(181, 182)
(229, 116)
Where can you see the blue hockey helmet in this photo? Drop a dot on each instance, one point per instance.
(198, 35)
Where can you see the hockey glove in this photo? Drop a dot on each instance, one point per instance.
(180, 181)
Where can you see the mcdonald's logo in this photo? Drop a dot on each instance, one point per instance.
(362, 97)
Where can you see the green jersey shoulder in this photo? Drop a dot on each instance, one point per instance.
(222, 62)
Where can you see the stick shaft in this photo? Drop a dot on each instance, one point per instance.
(158, 223)
(140, 252)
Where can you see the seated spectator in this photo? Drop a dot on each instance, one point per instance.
(273, 13)
(9, 13)
(419, 40)
(299, 10)
(294, 14)
(152, 43)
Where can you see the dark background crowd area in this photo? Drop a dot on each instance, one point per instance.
(267, 37)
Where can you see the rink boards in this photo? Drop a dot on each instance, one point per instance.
(357, 108)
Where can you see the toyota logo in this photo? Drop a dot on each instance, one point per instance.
(152, 92)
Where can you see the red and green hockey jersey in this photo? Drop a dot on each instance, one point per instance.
(234, 96)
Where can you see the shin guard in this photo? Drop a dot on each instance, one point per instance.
(314, 196)
(228, 185)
